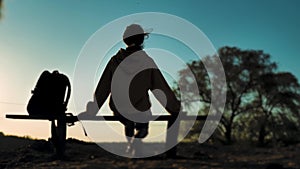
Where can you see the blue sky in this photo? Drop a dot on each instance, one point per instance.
(38, 35)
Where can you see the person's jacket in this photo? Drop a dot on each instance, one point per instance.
(135, 65)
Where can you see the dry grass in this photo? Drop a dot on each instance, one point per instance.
(25, 153)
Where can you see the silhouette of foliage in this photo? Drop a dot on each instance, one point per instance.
(278, 100)
(276, 113)
(257, 100)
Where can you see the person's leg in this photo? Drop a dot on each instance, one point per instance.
(128, 125)
(129, 128)
(129, 133)
(142, 130)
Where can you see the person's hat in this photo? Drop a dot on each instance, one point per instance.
(134, 29)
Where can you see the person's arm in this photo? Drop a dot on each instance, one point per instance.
(158, 82)
(104, 86)
(101, 93)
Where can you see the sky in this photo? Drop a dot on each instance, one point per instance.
(39, 35)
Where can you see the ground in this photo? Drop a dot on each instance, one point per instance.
(26, 153)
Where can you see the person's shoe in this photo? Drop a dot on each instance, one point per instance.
(142, 133)
(129, 149)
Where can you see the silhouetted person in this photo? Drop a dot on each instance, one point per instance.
(135, 65)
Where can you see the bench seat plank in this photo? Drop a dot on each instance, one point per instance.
(99, 118)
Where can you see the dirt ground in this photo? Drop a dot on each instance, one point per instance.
(25, 153)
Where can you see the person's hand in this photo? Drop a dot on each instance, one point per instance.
(91, 110)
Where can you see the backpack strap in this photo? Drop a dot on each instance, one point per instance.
(68, 85)
(68, 92)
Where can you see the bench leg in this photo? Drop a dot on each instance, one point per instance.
(58, 132)
(172, 136)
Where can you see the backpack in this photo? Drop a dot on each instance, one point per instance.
(50, 95)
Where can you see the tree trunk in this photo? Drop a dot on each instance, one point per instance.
(262, 131)
(229, 129)
(228, 134)
(262, 134)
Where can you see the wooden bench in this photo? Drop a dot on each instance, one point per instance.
(59, 128)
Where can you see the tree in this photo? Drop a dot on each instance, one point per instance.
(243, 69)
(278, 100)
